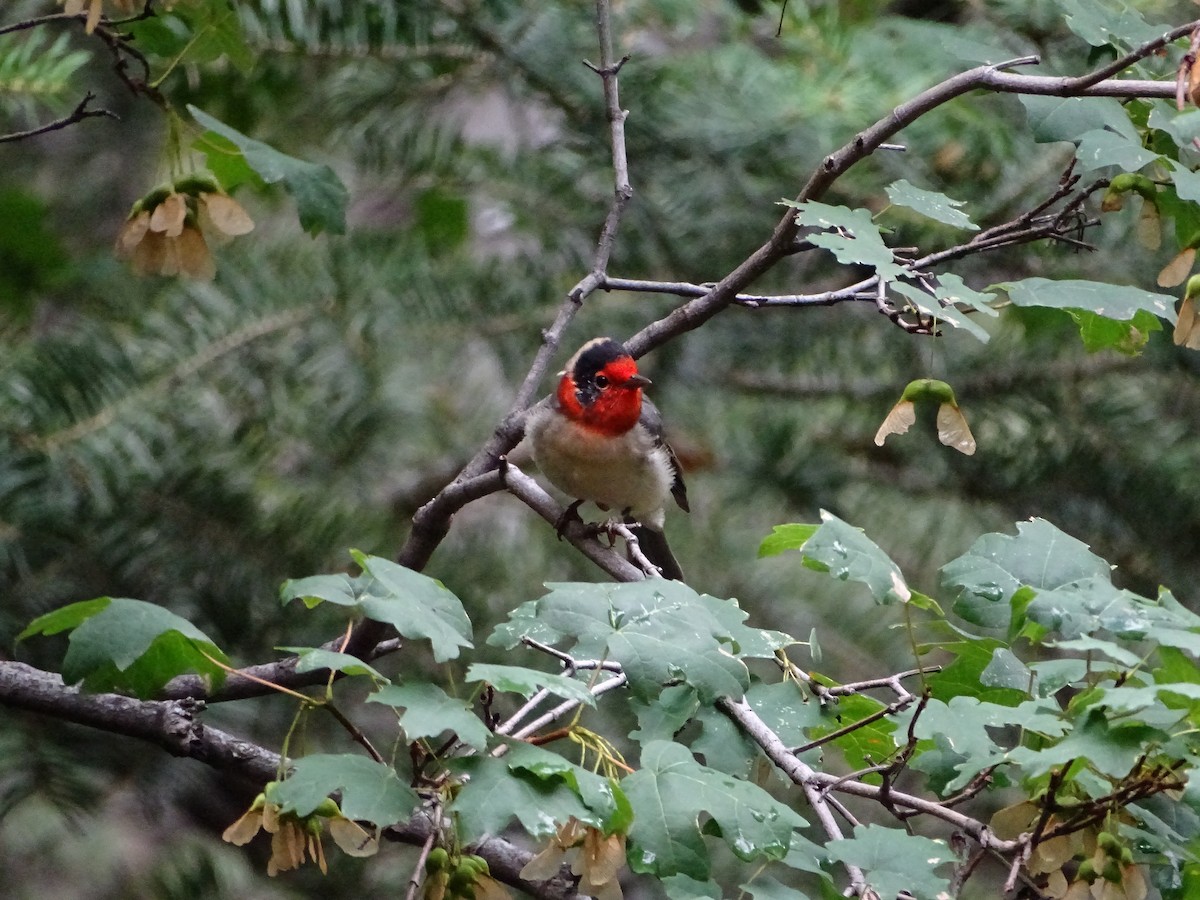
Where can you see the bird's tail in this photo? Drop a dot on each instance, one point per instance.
(653, 544)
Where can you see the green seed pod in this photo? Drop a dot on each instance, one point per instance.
(462, 878)
(1108, 842)
(1112, 872)
(1087, 871)
(1123, 182)
(435, 884)
(327, 809)
(1145, 187)
(197, 183)
(478, 863)
(156, 196)
(929, 389)
(437, 860)
(1114, 197)
(1193, 288)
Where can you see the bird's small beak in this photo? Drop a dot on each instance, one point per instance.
(638, 381)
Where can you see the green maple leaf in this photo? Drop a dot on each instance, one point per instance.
(1108, 315)
(722, 745)
(320, 196)
(895, 861)
(986, 577)
(847, 554)
(784, 710)
(964, 728)
(661, 632)
(429, 712)
(117, 644)
(850, 235)
(371, 791)
(660, 718)
(541, 790)
(964, 676)
(864, 746)
(1094, 604)
(315, 658)
(415, 604)
(934, 205)
(1111, 749)
(672, 791)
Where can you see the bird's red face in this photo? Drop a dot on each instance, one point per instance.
(601, 388)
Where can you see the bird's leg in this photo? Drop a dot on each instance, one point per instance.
(606, 528)
(569, 515)
(630, 523)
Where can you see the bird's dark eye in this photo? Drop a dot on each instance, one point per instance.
(601, 381)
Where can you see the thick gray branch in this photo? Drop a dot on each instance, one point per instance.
(175, 726)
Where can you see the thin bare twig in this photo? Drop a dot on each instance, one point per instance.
(603, 687)
(843, 731)
(355, 732)
(39, 21)
(570, 665)
(1029, 227)
(78, 114)
(633, 550)
(414, 882)
(265, 678)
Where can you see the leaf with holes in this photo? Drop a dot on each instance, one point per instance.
(931, 204)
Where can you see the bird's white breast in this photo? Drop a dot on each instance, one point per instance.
(626, 471)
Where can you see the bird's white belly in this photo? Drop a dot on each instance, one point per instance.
(623, 472)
